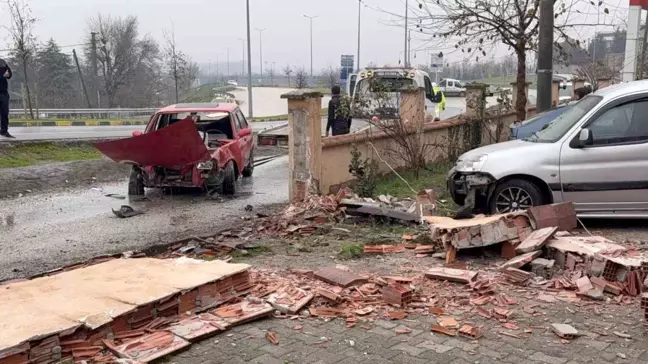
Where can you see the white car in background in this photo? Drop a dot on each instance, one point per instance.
(232, 83)
(452, 87)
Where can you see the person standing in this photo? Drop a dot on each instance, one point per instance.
(5, 75)
(339, 118)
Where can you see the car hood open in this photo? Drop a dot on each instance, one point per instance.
(176, 145)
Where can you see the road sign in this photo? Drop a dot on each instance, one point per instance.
(436, 63)
(346, 66)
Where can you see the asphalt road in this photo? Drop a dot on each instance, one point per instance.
(49, 230)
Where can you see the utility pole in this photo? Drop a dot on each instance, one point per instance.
(311, 41)
(261, 51)
(249, 50)
(228, 64)
(358, 58)
(217, 70)
(243, 61)
(83, 86)
(93, 61)
(405, 62)
(545, 55)
(642, 59)
(409, 48)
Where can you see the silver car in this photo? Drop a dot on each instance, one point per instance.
(595, 155)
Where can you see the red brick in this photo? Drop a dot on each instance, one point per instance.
(339, 277)
(562, 215)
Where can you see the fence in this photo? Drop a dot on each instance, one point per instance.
(87, 113)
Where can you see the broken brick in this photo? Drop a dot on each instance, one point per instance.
(564, 331)
(272, 338)
(516, 275)
(451, 275)
(339, 277)
(328, 295)
(443, 330)
(397, 294)
(470, 332)
(521, 260)
(561, 215)
(536, 240)
(397, 315)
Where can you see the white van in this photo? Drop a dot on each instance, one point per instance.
(364, 85)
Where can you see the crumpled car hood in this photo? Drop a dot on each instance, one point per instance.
(176, 145)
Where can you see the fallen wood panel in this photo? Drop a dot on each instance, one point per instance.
(94, 295)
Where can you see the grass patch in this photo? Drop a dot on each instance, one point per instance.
(434, 177)
(351, 251)
(23, 155)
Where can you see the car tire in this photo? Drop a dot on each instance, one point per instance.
(136, 182)
(518, 193)
(249, 169)
(462, 94)
(229, 179)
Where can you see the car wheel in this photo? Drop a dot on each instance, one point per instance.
(514, 195)
(136, 182)
(462, 94)
(249, 169)
(229, 179)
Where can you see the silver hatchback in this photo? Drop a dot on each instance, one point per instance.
(595, 155)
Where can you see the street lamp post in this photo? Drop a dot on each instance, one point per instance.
(310, 18)
(358, 58)
(261, 51)
(243, 62)
(228, 65)
(406, 61)
(249, 50)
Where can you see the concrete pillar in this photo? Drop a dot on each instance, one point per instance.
(304, 142)
(514, 92)
(412, 106)
(475, 100)
(555, 93)
(602, 83)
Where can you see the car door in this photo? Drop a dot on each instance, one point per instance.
(450, 87)
(245, 137)
(610, 173)
(238, 148)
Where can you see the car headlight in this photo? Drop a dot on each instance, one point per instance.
(205, 165)
(473, 164)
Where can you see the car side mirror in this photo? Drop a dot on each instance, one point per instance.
(136, 133)
(585, 137)
(245, 132)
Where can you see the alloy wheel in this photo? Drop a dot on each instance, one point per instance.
(513, 199)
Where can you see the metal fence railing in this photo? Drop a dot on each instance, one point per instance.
(86, 113)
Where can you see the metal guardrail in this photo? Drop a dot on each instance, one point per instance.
(87, 113)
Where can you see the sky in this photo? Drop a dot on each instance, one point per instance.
(206, 29)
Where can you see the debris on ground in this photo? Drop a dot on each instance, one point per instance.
(126, 211)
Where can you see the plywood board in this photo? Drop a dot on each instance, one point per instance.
(93, 295)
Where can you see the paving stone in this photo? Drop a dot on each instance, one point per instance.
(409, 349)
(597, 345)
(268, 359)
(547, 359)
(275, 349)
(437, 348)
(383, 332)
(490, 353)
(386, 324)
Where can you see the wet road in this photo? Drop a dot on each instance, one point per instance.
(267, 101)
(47, 231)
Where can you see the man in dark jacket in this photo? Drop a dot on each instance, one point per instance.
(339, 118)
(5, 74)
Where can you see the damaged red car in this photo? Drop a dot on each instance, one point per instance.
(188, 145)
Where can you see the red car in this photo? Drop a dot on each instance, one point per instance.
(188, 145)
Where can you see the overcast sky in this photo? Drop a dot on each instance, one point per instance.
(206, 28)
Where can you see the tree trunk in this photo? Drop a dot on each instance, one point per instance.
(29, 103)
(521, 98)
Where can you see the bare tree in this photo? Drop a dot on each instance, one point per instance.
(301, 78)
(271, 72)
(288, 71)
(594, 71)
(23, 41)
(121, 52)
(330, 76)
(477, 26)
(175, 60)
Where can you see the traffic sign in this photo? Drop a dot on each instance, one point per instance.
(436, 63)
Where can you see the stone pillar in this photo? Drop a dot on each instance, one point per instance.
(555, 93)
(412, 106)
(514, 92)
(602, 83)
(304, 142)
(475, 100)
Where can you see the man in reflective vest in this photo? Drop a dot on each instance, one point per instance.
(439, 100)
